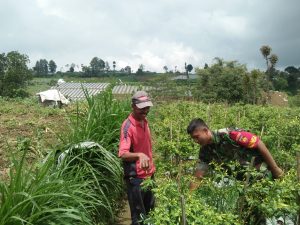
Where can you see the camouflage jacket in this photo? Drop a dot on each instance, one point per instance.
(231, 145)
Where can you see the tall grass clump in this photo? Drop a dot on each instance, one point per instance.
(40, 195)
(100, 120)
(90, 162)
(79, 184)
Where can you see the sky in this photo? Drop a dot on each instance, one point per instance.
(154, 33)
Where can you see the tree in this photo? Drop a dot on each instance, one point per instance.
(41, 67)
(87, 71)
(165, 69)
(271, 61)
(265, 51)
(114, 65)
(291, 69)
(188, 68)
(52, 66)
(127, 69)
(97, 65)
(140, 69)
(229, 82)
(293, 79)
(107, 67)
(14, 74)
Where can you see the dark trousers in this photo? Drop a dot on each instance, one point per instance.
(140, 201)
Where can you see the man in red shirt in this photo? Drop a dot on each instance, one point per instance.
(135, 150)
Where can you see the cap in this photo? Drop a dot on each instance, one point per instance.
(141, 99)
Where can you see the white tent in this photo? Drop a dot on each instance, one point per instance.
(61, 81)
(53, 95)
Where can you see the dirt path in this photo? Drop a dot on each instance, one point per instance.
(124, 216)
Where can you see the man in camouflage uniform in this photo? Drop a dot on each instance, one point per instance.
(227, 145)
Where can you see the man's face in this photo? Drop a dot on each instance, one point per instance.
(202, 136)
(140, 114)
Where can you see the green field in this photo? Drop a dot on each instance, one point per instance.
(33, 192)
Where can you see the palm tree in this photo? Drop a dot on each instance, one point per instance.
(165, 69)
(114, 65)
(265, 51)
(273, 60)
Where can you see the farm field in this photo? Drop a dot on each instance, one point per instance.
(220, 197)
(35, 134)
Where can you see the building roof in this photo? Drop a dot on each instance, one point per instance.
(128, 89)
(184, 77)
(75, 91)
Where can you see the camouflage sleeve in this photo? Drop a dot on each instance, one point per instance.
(245, 139)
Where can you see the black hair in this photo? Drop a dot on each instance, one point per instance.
(195, 124)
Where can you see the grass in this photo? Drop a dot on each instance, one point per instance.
(99, 120)
(25, 118)
(86, 187)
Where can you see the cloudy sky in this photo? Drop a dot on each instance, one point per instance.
(151, 32)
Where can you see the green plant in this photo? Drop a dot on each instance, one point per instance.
(100, 120)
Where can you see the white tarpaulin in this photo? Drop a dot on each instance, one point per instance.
(53, 95)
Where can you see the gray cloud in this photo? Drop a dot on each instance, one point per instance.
(154, 33)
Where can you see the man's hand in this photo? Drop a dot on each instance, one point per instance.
(193, 185)
(277, 173)
(144, 161)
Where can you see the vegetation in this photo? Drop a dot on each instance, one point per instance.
(83, 188)
(86, 186)
(99, 120)
(14, 74)
(220, 197)
(230, 82)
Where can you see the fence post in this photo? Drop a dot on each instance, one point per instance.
(183, 216)
(182, 200)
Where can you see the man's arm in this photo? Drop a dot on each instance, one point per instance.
(200, 171)
(132, 156)
(276, 171)
(251, 141)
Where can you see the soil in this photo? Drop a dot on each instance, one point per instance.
(19, 121)
(124, 215)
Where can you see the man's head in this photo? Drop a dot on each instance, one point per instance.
(141, 104)
(199, 131)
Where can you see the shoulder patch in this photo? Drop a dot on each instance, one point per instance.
(244, 138)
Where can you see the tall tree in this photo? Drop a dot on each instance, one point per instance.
(266, 51)
(52, 66)
(165, 69)
(107, 67)
(114, 65)
(293, 79)
(97, 65)
(41, 67)
(271, 61)
(229, 82)
(140, 69)
(14, 74)
(188, 68)
(128, 69)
